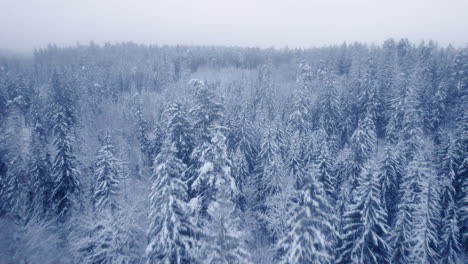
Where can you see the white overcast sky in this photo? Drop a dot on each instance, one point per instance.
(26, 24)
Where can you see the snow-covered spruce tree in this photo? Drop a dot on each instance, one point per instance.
(62, 115)
(223, 239)
(386, 78)
(171, 233)
(278, 210)
(312, 232)
(179, 130)
(15, 185)
(241, 173)
(427, 222)
(295, 161)
(206, 112)
(390, 173)
(41, 161)
(270, 164)
(299, 119)
(414, 237)
(329, 111)
(450, 238)
(323, 167)
(142, 129)
(16, 195)
(365, 229)
(371, 98)
(298, 126)
(242, 136)
(361, 148)
(463, 202)
(264, 94)
(461, 84)
(448, 174)
(243, 146)
(107, 178)
(104, 238)
(411, 134)
(215, 166)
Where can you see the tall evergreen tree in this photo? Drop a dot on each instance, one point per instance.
(63, 117)
(108, 174)
(390, 173)
(215, 166)
(41, 164)
(415, 232)
(365, 230)
(223, 239)
(171, 233)
(312, 228)
(206, 112)
(271, 167)
(179, 130)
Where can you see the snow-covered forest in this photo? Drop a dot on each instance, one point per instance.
(127, 153)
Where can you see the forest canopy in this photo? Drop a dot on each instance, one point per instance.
(128, 153)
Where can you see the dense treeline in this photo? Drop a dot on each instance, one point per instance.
(177, 154)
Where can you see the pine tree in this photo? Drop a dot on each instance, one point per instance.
(450, 239)
(16, 186)
(365, 230)
(299, 118)
(265, 91)
(142, 128)
(107, 174)
(411, 138)
(180, 131)
(241, 173)
(105, 238)
(390, 173)
(64, 171)
(324, 170)
(329, 111)
(271, 167)
(296, 161)
(361, 148)
(312, 228)
(206, 112)
(243, 144)
(223, 239)
(41, 164)
(215, 166)
(170, 233)
(415, 232)
(279, 208)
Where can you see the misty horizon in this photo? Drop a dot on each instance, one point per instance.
(295, 24)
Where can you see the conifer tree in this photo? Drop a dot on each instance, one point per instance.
(329, 111)
(324, 170)
(63, 117)
(312, 232)
(415, 233)
(142, 129)
(171, 233)
(108, 174)
(179, 130)
(365, 230)
(206, 112)
(215, 166)
(300, 117)
(223, 239)
(390, 173)
(41, 164)
(271, 167)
